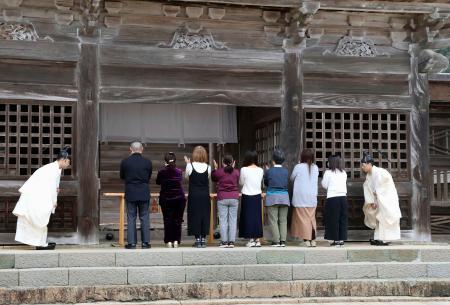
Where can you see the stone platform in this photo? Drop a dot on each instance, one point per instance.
(85, 275)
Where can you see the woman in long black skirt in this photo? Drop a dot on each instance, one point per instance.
(250, 223)
(336, 209)
(199, 205)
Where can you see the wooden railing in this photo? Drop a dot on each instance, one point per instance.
(154, 196)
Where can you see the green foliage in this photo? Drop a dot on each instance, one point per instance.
(445, 52)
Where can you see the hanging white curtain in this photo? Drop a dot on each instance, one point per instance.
(168, 123)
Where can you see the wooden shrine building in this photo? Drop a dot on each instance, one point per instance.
(333, 75)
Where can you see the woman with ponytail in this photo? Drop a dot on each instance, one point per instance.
(227, 178)
(171, 200)
(305, 177)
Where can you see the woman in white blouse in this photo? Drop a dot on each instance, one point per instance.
(250, 224)
(336, 210)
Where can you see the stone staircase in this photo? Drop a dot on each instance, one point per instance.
(95, 274)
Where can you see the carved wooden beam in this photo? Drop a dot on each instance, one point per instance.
(299, 20)
(384, 6)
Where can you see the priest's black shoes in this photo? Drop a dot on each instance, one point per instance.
(50, 246)
(130, 246)
(146, 246)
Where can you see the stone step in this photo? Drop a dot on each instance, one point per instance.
(185, 256)
(99, 276)
(325, 289)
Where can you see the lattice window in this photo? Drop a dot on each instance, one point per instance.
(267, 138)
(351, 133)
(31, 134)
(64, 219)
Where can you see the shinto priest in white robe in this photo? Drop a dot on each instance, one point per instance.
(379, 188)
(37, 201)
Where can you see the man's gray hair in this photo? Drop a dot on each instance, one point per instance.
(136, 146)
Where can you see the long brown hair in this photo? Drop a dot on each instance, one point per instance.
(307, 157)
(200, 155)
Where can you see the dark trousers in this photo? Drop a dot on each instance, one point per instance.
(336, 218)
(173, 211)
(133, 207)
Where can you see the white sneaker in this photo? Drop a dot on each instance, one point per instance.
(175, 244)
(313, 243)
(251, 243)
(307, 243)
(169, 245)
(257, 244)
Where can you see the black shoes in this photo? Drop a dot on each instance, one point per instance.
(375, 242)
(130, 246)
(146, 246)
(50, 246)
(197, 243)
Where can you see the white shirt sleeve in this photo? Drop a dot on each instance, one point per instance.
(325, 180)
(242, 177)
(294, 172)
(188, 171)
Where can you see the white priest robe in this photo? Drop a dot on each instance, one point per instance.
(37, 201)
(379, 188)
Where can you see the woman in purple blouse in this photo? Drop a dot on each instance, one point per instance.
(172, 200)
(227, 178)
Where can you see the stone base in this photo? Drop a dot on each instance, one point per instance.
(227, 290)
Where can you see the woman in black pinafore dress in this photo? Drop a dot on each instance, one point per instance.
(199, 205)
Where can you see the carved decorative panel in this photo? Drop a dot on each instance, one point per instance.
(349, 46)
(31, 135)
(182, 39)
(351, 133)
(18, 31)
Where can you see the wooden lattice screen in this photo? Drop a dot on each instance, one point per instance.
(351, 133)
(267, 138)
(64, 219)
(32, 133)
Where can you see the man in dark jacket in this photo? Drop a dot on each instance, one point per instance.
(136, 172)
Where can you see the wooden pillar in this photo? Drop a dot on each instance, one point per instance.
(420, 160)
(291, 138)
(87, 141)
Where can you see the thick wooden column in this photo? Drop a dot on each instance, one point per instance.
(420, 160)
(87, 141)
(291, 139)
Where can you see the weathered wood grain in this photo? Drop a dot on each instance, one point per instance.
(419, 144)
(87, 156)
(366, 101)
(359, 65)
(38, 92)
(354, 85)
(39, 50)
(189, 78)
(31, 71)
(143, 56)
(291, 134)
(190, 96)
